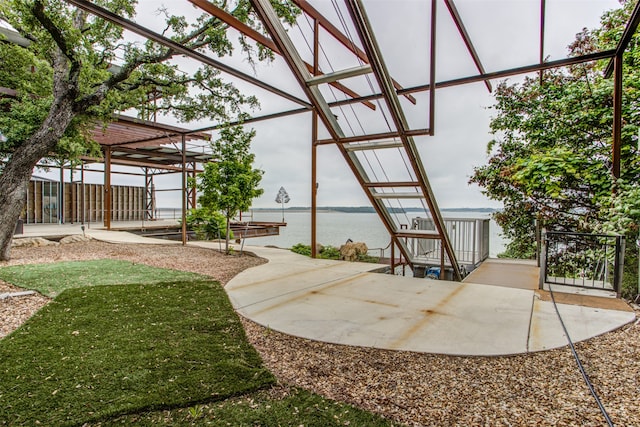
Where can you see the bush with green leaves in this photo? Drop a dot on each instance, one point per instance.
(207, 224)
(329, 252)
(302, 249)
(550, 156)
(623, 217)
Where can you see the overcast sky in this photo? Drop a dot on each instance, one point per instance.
(505, 34)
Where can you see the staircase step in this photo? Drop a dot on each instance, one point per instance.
(418, 234)
(339, 75)
(391, 184)
(376, 145)
(398, 195)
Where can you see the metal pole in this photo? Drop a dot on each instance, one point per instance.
(543, 259)
(314, 151)
(542, 25)
(184, 190)
(61, 196)
(620, 245)
(194, 191)
(82, 201)
(617, 115)
(432, 71)
(107, 188)
(314, 185)
(393, 257)
(442, 261)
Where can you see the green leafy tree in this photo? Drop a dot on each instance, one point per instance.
(61, 82)
(230, 183)
(550, 159)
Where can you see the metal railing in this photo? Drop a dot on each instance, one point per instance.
(469, 238)
(593, 261)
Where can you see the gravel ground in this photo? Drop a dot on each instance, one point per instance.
(543, 388)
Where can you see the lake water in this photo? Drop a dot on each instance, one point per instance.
(334, 228)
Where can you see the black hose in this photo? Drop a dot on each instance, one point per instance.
(580, 367)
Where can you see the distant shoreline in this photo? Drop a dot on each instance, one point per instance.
(367, 209)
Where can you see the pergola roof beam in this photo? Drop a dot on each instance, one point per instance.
(491, 76)
(442, 84)
(374, 137)
(263, 40)
(337, 34)
(339, 75)
(297, 65)
(391, 184)
(380, 145)
(174, 156)
(365, 31)
(171, 44)
(629, 31)
(455, 15)
(125, 162)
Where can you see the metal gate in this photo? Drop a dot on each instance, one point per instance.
(584, 260)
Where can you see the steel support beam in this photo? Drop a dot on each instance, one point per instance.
(629, 31)
(438, 85)
(82, 201)
(543, 14)
(183, 190)
(314, 186)
(339, 75)
(453, 10)
(374, 137)
(314, 148)
(607, 54)
(363, 26)
(106, 208)
(432, 69)
(344, 40)
(243, 28)
(297, 65)
(61, 198)
(178, 47)
(617, 116)
(192, 193)
(149, 196)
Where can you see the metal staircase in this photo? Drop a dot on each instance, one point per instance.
(385, 194)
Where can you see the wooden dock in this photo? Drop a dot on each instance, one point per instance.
(512, 273)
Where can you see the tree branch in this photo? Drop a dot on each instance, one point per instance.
(56, 34)
(129, 67)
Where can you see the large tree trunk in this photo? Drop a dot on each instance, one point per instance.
(18, 170)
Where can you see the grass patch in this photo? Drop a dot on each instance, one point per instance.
(98, 352)
(300, 408)
(52, 279)
(168, 350)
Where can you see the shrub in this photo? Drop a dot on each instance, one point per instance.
(207, 224)
(302, 249)
(329, 252)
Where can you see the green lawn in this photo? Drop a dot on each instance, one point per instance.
(301, 408)
(51, 279)
(126, 353)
